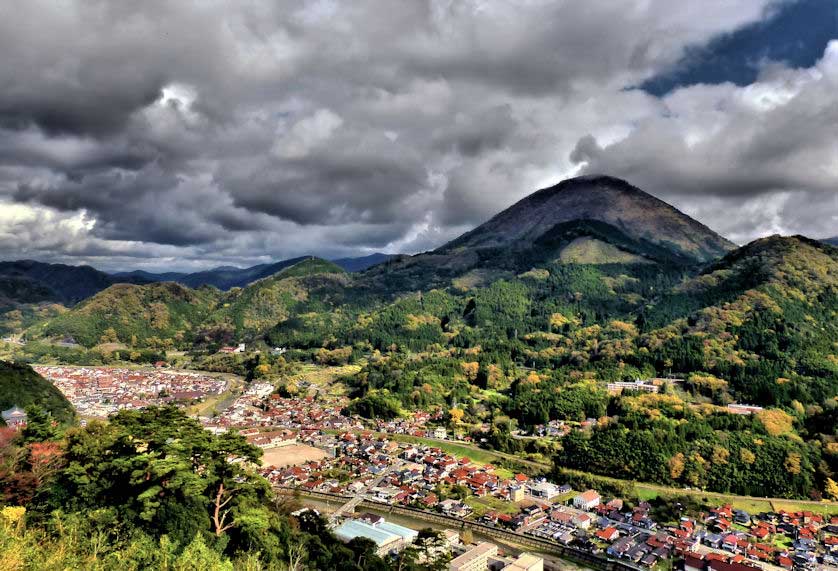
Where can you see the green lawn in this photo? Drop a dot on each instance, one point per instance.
(503, 473)
(783, 541)
(488, 503)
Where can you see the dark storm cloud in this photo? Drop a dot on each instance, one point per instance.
(198, 133)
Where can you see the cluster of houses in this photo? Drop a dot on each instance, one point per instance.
(101, 391)
(426, 477)
(792, 540)
(259, 406)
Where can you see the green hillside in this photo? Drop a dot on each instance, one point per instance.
(21, 386)
(765, 322)
(302, 288)
(153, 315)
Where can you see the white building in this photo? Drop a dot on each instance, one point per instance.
(14, 417)
(543, 490)
(587, 500)
(474, 559)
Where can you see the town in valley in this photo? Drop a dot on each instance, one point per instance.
(356, 471)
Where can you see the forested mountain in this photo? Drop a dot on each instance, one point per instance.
(168, 314)
(21, 386)
(164, 314)
(31, 290)
(52, 282)
(223, 278)
(641, 223)
(362, 263)
(304, 287)
(763, 317)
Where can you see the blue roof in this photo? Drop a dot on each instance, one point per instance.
(404, 532)
(351, 529)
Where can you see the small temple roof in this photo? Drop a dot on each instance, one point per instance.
(14, 412)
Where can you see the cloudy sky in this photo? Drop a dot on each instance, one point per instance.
(188, 134)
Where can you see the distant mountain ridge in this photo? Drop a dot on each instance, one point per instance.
(171, 310)
(30, 281)
(228, 277)
(25, 282)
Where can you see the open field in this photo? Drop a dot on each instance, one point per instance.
(477, 455)
(488, 503)
(291, 455)
(324, 377)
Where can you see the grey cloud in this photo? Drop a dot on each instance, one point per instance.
(214, 132)
(763, 142)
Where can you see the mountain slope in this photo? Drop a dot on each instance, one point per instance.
(763, 318)
(21, 386)
(638, 216)
(228, 277)
(168, 314)
(302, 287)
(362, 263)
(223, 277)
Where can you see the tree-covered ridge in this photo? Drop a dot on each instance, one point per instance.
(136, 315)
(52, 282)
(17, 317)
(661, 438)
(168, 315)
(301, 288)
(23, 387)
(773, 339)
(528, 340)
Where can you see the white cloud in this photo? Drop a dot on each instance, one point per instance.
(307, 133)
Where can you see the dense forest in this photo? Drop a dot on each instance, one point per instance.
(152, 489)
(513, 340)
